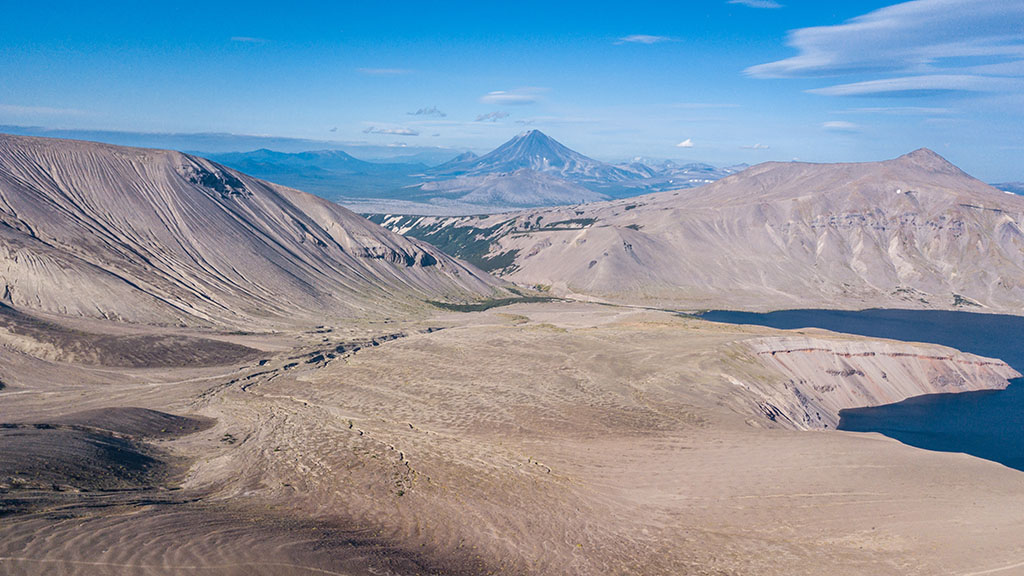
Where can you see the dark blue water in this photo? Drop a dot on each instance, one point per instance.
(986, 424)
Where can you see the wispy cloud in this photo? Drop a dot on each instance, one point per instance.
(384, 71)
(15, 110)
(492, 116)
(432, 111)
(757, 146)
(917, 85)
(757, 3)
(644, 39)
(391, 131)
(840, 126)
(248, 40)
(918, 47)
(517, 97)
(688, 143)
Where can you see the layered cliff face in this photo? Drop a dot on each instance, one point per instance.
(155, 236)
(913, 232)
(824, 376)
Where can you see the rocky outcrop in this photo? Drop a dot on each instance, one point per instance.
(824, 376)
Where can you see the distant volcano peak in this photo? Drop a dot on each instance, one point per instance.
(534, 143)
(534, 134)
(535, 150)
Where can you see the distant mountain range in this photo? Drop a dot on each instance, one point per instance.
(912, 232)
(530, 170)
(1012, 187)
(207, 143)
(331, 174)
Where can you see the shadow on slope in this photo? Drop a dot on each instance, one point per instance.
(127, 351)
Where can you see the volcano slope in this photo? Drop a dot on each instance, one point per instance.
(160, 237)
(913, 232)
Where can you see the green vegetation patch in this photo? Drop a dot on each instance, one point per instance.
(504, 261)
(572, 223)
(482, 305)
(468, 243)
(959, 300)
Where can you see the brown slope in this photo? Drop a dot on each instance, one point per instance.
(910, 232)
(157, 236)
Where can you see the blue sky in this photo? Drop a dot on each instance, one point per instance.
(718, 81)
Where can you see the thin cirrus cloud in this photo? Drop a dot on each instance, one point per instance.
(919, 47)
(757, 146)
(248, 40)
(517, 97)
(688, 143)
(840, 126)
(15, 110)
(914, 85)
(391, 131)
(644, 39)
(492, 116)
(757, 3)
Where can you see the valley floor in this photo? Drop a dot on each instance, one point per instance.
(553, 438)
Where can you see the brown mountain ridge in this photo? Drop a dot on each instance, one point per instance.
(912, 232)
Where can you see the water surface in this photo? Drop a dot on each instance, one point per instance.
(987, 424)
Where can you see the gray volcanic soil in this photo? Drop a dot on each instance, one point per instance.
(96, 450)
(535, 439)
(51, 339)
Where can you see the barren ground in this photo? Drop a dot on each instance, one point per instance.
(533, 439)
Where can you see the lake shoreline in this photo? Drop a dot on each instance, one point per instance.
(987, 424)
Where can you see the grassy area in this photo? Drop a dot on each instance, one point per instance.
(482, 305)
(468, 243)
(571, 224)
